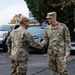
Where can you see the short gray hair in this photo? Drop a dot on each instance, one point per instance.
(23, 19)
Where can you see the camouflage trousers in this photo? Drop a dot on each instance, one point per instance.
(57, 64)
(18, 67)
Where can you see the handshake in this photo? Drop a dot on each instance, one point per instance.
(41, 45)
(37, 45)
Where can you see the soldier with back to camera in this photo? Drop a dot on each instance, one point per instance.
(18, 43)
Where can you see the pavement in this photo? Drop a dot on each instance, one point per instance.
(40, 67)
(37, 64)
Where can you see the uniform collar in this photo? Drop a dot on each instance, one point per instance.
(22, 27)
(54, 26)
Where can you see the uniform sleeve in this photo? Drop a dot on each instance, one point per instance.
(8, 42)
(31, 41)
(67, 40)
(45, 38)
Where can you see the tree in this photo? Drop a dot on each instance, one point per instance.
(64, 9)
(40, 8)
(15, 19)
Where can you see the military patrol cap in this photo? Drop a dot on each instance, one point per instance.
(51, 14)
(23, 19)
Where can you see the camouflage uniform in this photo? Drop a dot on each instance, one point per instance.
(18, 43)
(58, 38)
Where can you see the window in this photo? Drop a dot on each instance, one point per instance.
(16, 26)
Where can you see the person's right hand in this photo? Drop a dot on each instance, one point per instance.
(67, 55)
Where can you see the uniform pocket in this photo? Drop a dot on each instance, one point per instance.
(21, 56)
